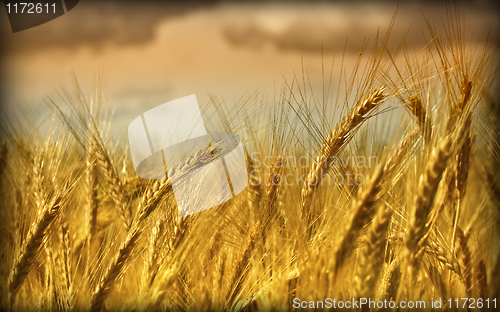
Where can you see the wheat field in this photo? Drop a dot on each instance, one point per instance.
(80, 231)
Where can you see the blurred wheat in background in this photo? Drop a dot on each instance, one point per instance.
(80, 231)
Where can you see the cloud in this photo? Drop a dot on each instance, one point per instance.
(96, 24)
(305, 28)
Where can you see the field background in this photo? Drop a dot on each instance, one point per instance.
(413, 84)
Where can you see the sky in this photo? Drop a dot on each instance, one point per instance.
(153, 52)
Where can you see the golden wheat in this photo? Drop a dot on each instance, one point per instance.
(423, 226)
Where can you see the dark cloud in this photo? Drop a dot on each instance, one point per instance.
(97, 23)
(356, 23)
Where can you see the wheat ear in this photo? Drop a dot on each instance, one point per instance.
(38, 179)
(459, 176)
(255, 187)
(495, 276)
(362, 211)
(427, 188)
(241, 268)
(116, 190)
(91, 184)
(463, 162)
(114, 272)
(3, 159)
(159, 288)
(66, 266)
(390, 281)
(481, 277)
(151, 263)
(92, 203)
(370, 259)
(341, 135)
(153, 196)
(466, 256)
(395, 159)
(416, 107)
(271, 212)
(436, 276)
(461, 105)
(494, 190)
(37, 236)
(445, 257)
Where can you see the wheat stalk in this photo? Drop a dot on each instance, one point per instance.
(340, 136)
